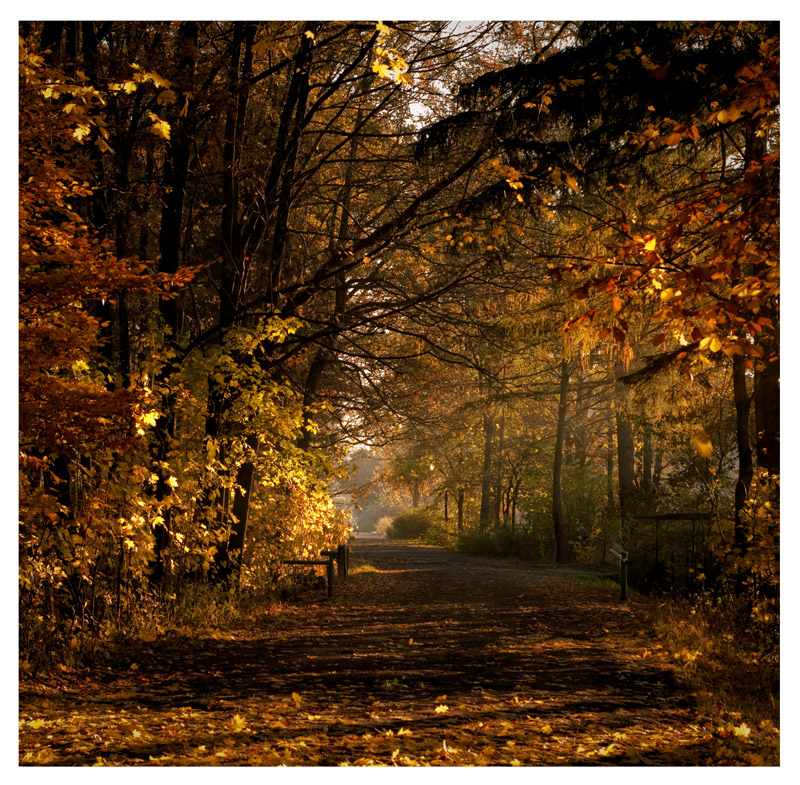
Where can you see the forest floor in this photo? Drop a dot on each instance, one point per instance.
(423, 657)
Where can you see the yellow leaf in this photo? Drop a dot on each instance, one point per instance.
(650, 245)
(616, 304)
(260, 47)
(161, 128)
(742, 731)
(442, 709)
(167, 97)
(81, 131)
(572, 183)
(702, 443)
(297, 699)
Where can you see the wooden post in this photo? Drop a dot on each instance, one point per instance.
(623, 576)
(341, 562)
(330, 575)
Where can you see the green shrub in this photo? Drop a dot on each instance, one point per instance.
(412, 524)
(441, 534)
(502, 541)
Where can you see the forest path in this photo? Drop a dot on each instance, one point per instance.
(432, 658)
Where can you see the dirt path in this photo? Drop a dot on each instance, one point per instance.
(433, 658)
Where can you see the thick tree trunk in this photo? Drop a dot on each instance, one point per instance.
(230, 554)
(50, 40)
(175, 179)
(559, 521)
(766, 397)
(625, 464)
(313, 377)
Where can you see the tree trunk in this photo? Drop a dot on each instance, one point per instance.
(498, 490)
(230, 554)
(460, 510)
(610, 468)
(625, 464)
(559, 522)
(514, 497)
(647, 460)
(175, 178)
(742, 401)
(487, 503)
(766, 396)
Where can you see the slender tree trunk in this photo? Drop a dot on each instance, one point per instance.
(742, 401)
(658, 466)
(487, 504)
(559, 521)
(514, 497)
(610, 468)
(460, 510)
(647, 460)
(498, 491)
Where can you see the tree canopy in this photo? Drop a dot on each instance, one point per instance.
(532, 267)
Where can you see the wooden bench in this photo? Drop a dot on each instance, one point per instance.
(341, 556)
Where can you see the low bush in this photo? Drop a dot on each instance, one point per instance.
(412, 524)
(441, 534)
(502, 541)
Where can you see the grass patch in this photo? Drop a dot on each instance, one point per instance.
(595, 581)
(362, 568)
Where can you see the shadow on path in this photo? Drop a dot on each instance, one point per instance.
(465, 660)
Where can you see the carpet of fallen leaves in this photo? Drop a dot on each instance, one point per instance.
(434, 658)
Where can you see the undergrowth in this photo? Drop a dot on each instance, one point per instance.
(730, 668)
